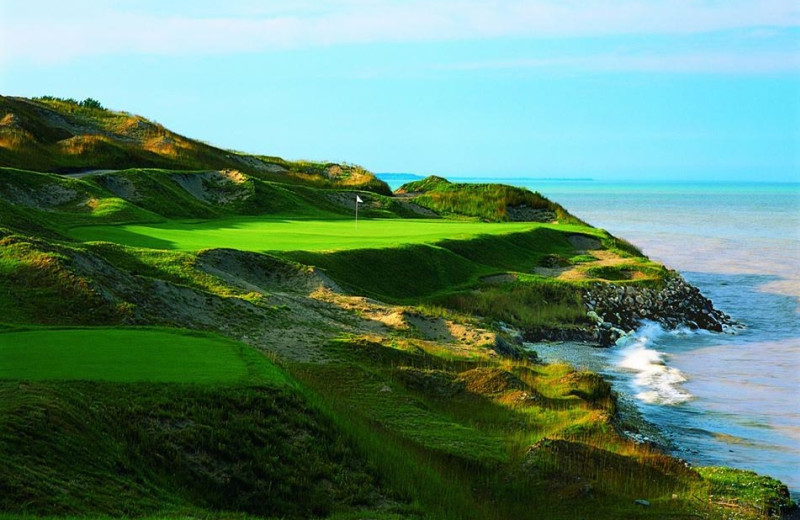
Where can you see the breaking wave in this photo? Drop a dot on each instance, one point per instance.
(653, 381)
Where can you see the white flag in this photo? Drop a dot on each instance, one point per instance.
(358, 199)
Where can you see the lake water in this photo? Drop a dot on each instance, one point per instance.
(723, 399)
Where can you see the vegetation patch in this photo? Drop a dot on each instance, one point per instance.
(491, 202)
(281, 234)
(530, 304)
(627, 271)
(128, 450)
(51, 134)
(734, 488)
(127, 355)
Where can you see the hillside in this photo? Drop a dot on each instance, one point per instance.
(218, 341)
(63, 136)
(491, 202)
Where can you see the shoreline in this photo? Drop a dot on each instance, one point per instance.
(630, 418)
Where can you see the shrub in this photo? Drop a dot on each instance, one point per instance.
(91, 103)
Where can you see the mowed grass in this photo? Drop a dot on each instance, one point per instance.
(275, 234)
(128, 355)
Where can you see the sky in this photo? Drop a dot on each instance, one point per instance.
(611, 90)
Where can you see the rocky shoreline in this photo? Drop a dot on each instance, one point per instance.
(617, 310)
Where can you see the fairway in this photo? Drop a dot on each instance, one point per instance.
(273, 234)
(121, 355)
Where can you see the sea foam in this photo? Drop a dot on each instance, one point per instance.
(654, 381)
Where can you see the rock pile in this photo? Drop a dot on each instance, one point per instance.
(618, 309)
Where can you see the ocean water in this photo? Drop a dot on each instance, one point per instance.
(723, 399)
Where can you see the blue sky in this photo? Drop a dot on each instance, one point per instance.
(644, 89)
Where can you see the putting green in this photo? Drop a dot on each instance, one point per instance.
(273, 234)
(124, 355)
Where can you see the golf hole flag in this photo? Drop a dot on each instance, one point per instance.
(358, 201)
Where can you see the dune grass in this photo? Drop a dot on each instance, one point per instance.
(531, 304)
(128, 355)
(485, 201)
(470, 438)
(125, 450)
(278, 234)
(89, 137)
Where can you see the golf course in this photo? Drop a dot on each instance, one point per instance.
(279, 234)
(193, 332)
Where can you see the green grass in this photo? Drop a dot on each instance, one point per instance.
(424, 273)
(759, 492)
(533, 304)
(48, 204)
(454, 435)
(278, 234)
(173, 450)
(126, 355)
(106, 139)
(485, 201)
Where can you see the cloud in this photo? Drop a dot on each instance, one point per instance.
(67, 30)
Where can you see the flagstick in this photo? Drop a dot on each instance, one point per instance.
(358, 201)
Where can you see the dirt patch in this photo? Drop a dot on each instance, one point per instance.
(499, 279)
(525, 213)
(604, 258)
(347, 199)
(432, 329)
(416, 208)
(552, 272)
(122, 187)
(257, 164)
(583, 242)
(439, 329)
(264, 273)
(46, 197)
(395, 319)
(216, 187)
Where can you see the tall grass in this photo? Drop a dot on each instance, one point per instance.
(92, 137)
(484, 201)
(529, 305)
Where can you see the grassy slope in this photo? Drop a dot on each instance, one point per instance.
(88, 429)
(420, 274)
(449, 423)
(444, 429)
(49, 205)
(450, 273)
(137, 449)
(56, 135)
(490, 202)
